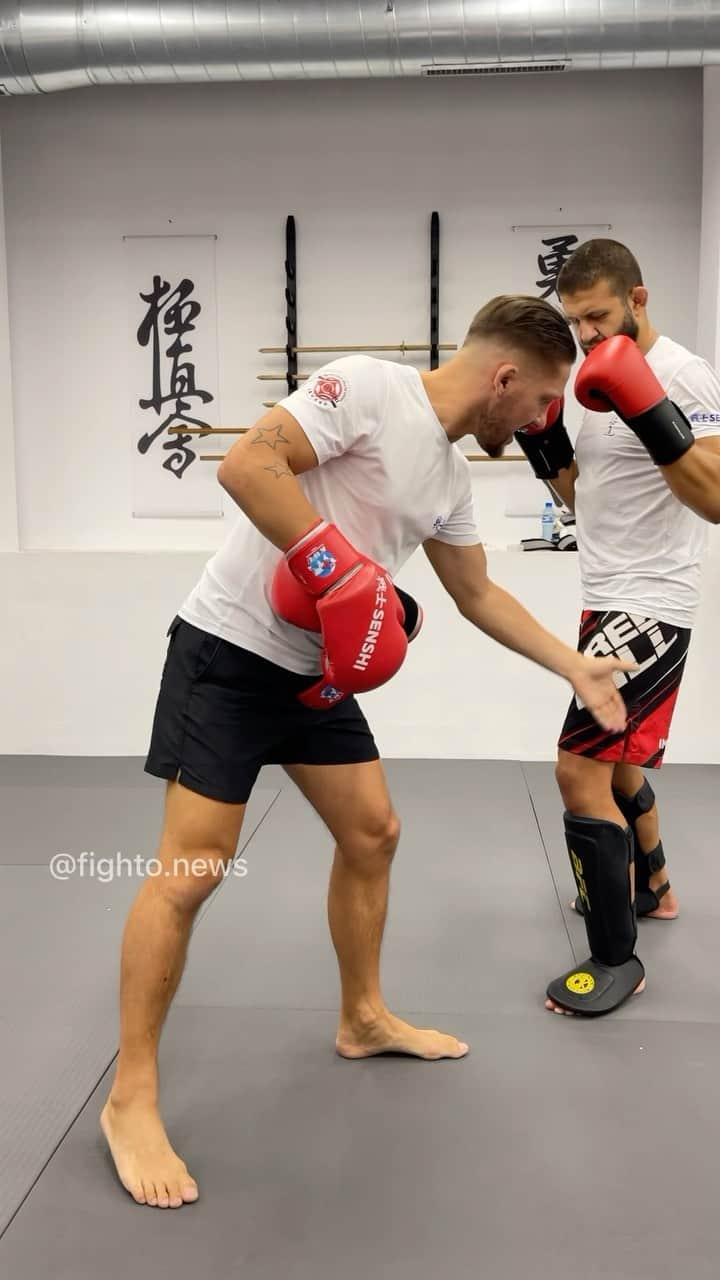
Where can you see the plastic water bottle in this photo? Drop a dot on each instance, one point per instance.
(548, 521)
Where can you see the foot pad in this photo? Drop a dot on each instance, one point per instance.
(594, 989)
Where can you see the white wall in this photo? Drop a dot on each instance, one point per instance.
(8, 503)
(708, 294)
(360, 166)
(87, 643)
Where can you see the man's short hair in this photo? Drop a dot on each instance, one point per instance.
(526, 324)
(597, 260)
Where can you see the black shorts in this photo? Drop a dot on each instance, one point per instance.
(650, 694)
(222, 713)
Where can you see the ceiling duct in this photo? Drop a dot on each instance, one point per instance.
(47, 45)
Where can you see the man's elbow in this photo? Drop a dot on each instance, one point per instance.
(232, 475)
(709, 508)
(470, 604)
(712, 506)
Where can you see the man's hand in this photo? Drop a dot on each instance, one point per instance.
(616, 375)
(463, 572)
(592, 680)
(548, 448)
(360, 615)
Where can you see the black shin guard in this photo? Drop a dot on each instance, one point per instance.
(600, 855)
(646, 864)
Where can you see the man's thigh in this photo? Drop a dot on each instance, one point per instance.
(352, 799)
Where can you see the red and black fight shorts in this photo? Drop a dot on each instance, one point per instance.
(660, 650)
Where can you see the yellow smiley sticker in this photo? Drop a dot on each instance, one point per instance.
(580, 983)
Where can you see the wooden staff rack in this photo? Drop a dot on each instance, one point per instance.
(402, 347)
(292, 349)
(241, 431)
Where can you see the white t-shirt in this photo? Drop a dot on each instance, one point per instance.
(388, 478)
(640, 548)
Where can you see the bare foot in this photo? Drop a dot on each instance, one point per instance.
(146, 1164)
(388, 1034)
(570, 1013)
(669, 908)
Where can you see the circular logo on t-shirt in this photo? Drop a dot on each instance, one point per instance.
(328, 390)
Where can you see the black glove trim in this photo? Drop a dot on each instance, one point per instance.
(665, 432)
(548, 452)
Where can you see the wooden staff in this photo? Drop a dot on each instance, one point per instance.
(200, 429)
(241, 431)
(471, 457)
(397, 346)
(208, 431)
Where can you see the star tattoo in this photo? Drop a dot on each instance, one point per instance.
(271, 436)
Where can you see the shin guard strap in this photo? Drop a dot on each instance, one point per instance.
(633, 807)
(655, 858)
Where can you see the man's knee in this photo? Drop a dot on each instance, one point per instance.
(391, 833)
(564, 773)
(189, 876)
(578, 781)
(375, 841)
(199, 840)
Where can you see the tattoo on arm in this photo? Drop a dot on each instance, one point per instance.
(279, 470)
(271, 436)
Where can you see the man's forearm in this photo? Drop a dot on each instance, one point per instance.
(272, 498)
(695, 480)
(563, 485)
(504, 619)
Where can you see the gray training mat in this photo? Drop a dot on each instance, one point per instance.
(558, 1146)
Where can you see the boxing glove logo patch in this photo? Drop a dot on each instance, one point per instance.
(330, 694)
(320, 562)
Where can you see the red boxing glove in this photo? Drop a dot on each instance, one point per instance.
(293, 604)
(291, 601)
(554, 411)
(359, 612)
(364, 643)
(548, 448)
(322, 557)
(616, 376)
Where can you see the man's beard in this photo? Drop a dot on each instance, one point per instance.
(628, 329)
(495, 450)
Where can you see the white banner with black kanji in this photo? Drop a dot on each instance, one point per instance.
(173, 374)
(544, 250)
